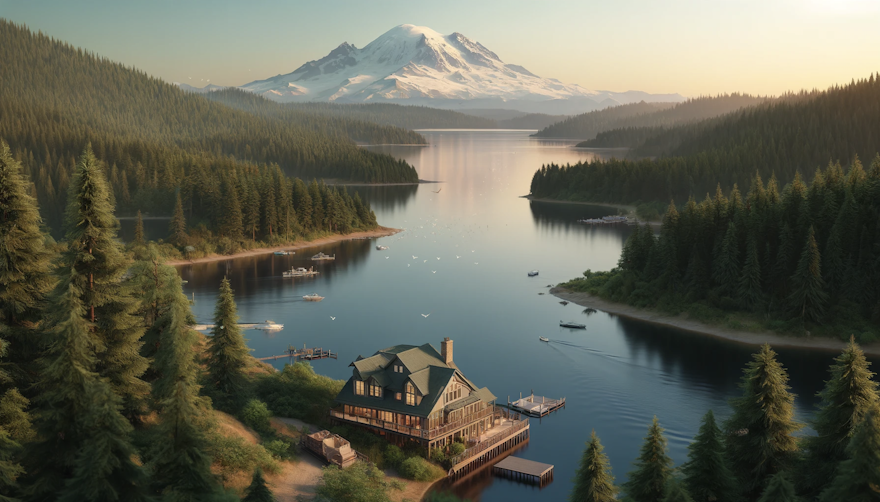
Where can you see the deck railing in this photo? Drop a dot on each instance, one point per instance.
(482, 446)
(428, 434)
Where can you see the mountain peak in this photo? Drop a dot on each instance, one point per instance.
(417, 65)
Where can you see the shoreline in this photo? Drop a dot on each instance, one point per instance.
(693, 326)
(625, 207)
(360, 184)
(368, 234)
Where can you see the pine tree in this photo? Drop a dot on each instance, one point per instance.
(750, 293)
(227, 352)
(593, 481)
(251, 213)
(848, 396)
(858, 477)
(760, 439)
(779, 489)
(93, 265)
(258, 491)
(230, 225)
(139, 230)
(177, 229)
(707, 476)
(10, 469)
(14, 416)
(653, 469)
(676, 492)
(808, 297)
(24, 270)
(181, 470)
(104, 469)
(726, 268)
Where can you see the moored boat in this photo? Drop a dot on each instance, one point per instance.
(300, 272)
(322, 256)
(314, 297)
(284, 253)
(269, 326)
(381, 248)
(572, 325)
(533, 273)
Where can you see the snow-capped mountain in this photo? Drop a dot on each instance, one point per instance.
(416, 65)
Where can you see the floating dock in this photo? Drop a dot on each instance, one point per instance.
(303, 354)
(536, 406)
(524, 470)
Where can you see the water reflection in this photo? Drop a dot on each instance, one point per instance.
(387, 199)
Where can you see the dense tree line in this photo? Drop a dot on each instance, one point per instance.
(754, 454)
(97, 347)
(152, 138)
(808, 255)
(638, 115)
(405, 116)
(795, 134)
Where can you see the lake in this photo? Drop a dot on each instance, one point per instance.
(463, 261)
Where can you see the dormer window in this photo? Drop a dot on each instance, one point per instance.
(398, 368)
(410, 394)
(375, 390)
(359, 387)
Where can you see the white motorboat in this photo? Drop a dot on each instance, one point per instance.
(314, 297)
(533, 273)
(321, 256)
(269, 326)
(381, 248)
(572, 325)
(543, 339)
(300, 272)
(284, 253)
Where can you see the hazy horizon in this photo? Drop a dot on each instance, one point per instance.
(687, 47)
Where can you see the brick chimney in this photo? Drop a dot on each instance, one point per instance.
(446, 350)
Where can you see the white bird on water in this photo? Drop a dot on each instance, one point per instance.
(407, 264)
(425, 315)
(476, 263)
(425, 261)
(387, 257)
(415, 257)
(433, 271)
(438, 257)
(332, 318)
(457, 257)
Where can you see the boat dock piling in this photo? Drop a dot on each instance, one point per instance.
(535, 406)
(303, 354)
(524, 470)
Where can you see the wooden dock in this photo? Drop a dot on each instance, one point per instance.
(303, 354)
(524, 470)
(536, 406)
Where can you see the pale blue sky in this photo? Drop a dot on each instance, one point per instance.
(688, 46)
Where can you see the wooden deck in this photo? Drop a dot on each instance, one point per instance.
(536, 406)
(303, 354)
(525, 470)
(500, 439)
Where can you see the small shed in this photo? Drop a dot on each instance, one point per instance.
(332, 447)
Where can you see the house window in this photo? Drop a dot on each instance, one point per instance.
(410, 395)
(375, 390)
(359, 387)
(398, 396)
(398, 368)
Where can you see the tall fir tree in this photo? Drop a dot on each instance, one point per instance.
(139, 230)
(593, 481)
(750, 291)
(177, 228)
(726, 269)
(653, 468)
(95, 262)
(231, 219)
(257, 491)
(808, 298)
(10, 469)
(227, 352)
(180, 466)
(847, 398)
(780, 489)
(676, 491)
(25, 280)
(760, 433)
(706, 474)
(858, 477)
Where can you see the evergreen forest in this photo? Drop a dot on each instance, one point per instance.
(155, 141)
(589, 125)
(797, 134)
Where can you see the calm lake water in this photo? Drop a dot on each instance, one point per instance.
(463, 259)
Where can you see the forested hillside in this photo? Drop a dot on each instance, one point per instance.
(405, 116)
(783, 138)
(153, 138)
(639, 115)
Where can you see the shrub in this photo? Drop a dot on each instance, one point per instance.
(438, 456)
(256, 415)
(419, 469)
(457, 449)
(235, 454)
(278, 448)
(393, 456)
(361, 482)
(298, 392)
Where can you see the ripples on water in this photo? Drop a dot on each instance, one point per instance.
(615, 375)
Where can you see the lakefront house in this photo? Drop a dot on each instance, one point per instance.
(414, 393)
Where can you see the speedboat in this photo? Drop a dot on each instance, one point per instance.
(543, 339)
(269, 326)
(299, 272)
(322, 256)
(381, 248)
(314, 297)
(572, 325)
(284, 253)
(533, 273)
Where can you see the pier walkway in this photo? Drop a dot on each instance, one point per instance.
(525, 470)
